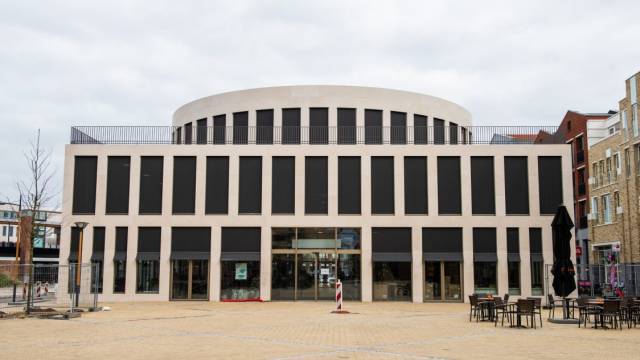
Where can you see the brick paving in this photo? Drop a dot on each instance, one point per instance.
(303, 330)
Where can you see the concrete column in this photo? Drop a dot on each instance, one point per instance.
(465, 180)
(165, 263)
(366, 275)
(109, 252)
(215, 275)
(277, 126)
(432, 184)
(502, 266)
(332, 162)
(252, 126)
(266, 185)
(525, 262)
(201, 184)
(467, 268)
(132, 250)
(417, 275)
(265, 263)
(498, 163)
(360, 125)
(304, 125)
(386, 126)
(101, 185)
(134, 186)
(547, 253)
(299, 185)
(167, 187)
(333, 124)
(398, 185)
(234, 178)
(534, 193)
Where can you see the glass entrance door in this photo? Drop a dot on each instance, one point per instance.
(316, 279)
(189, 279)
(442, 281)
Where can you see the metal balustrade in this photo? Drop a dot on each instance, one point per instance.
(314, 135)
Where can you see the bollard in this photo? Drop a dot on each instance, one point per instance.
(339, 309)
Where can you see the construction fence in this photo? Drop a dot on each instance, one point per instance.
(48, 286)
(606, 280)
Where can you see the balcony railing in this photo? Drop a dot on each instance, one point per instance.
(219, 135)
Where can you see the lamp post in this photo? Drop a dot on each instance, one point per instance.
(80, 225)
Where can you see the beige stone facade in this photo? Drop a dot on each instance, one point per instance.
(614, 185)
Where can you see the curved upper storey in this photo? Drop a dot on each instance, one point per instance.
(321, 96)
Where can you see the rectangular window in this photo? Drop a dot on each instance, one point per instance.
(316, 185)
(179, 135)
(84, 184)
(398, 127)
(372, 126)
(201, 133)
(349, 185)
(606, 208)
(449, 186)
(217, 185)
(346, 126)
(453, 133)
(250, 186)
(516, 181)
(264, 126)
(382, 185)
(220, 129)
(438, 131)
(240, 263)
(485, 261)
(188, 133)
(391, 264)
(513, 260)
(241, 127)
(118, 168)
(151, 178)
(550, 183)
(537, 261)
(283, 185)
(420, 129)
(120, 260)
(627, 162)
(318, 126)
(148, 260)
(634, 119)
(184, 184)
(483, 198)
(416, 200)
(97, 259)
(291, 126)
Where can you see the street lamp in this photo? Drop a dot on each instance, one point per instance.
(80, 225)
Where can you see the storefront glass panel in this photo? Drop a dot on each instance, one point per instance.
(392, 281)
(514, 277)
(452, 281)
(349, 275)
(485, 277)
(240, 280)
(148, 276)
(283, 277)
(432, 281)
(348, 238)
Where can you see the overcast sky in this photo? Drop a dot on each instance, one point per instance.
(67, 63)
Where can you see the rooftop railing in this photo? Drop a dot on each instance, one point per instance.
(290, 135)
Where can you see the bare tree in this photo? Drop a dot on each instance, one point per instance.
(35, 193)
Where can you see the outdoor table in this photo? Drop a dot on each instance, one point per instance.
(488, 304)
(515, 309)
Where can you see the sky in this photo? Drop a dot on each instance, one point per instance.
(66, 63)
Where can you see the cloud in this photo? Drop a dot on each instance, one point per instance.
(133, 63)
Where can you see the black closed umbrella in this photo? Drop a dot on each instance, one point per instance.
(564, 282)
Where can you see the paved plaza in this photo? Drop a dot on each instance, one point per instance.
(302, 330)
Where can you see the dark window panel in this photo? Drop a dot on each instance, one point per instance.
(184, 184)
(516, 181)
(318, 126)
(420, 129)
(513, 241)
(449, 186)
(283, 185)
(398, 127)
(201, 133)
(438, 131)
(391, 240)
(316, 185)
(179, 135)
(264, 126)
(535, 240)
(188, 133)
(217, 187)
(219, 129)
(98, 240)
(453, 133)
(372, 126)
(84, 184)
(241, 127)
(415, 185)
(240, 239)
(349, 180)
(191, 239)
(151, 179)
(122, 237)
(118, 171)
(149, 239)
(291, 126)
(483, 198)
(484, 240)
(442, 240)
(382, 185)
(550, 183)
(250, 189)
(346, 126)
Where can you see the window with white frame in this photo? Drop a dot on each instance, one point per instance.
(624, 123)
(627, 162)
(606, 208)
(595, 215)
(634, 119)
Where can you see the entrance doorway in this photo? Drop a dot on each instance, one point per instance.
(190, 280)
(442, 281)
(316, 276)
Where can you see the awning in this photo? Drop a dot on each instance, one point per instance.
(442, 256)
(148, 256)
(97, 256)
(120, 256)
(240, 256)
(513, 257)
(485, 257)
(189, 255)
(392, 256)
(537, 257)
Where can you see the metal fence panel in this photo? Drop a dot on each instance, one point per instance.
(608, 280)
